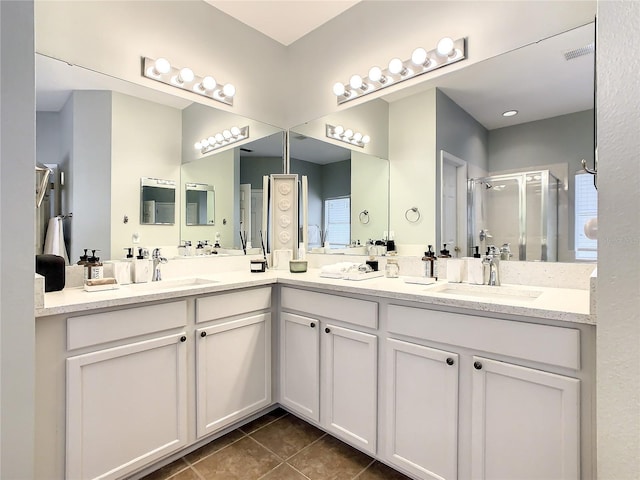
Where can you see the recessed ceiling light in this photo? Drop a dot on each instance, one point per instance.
(510, 113)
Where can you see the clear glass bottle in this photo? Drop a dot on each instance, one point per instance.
(392, 269)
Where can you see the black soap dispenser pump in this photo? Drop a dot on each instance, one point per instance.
(477, 252)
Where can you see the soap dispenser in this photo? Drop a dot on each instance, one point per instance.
(84, 259)
(430, 263)
(94, 268)
(141, 269)
(444, 253)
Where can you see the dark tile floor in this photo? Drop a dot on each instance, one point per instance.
(276, 446)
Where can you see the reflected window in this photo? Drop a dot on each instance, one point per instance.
(586, 208)
(337, 221)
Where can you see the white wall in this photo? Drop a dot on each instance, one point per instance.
(146, 142)
(412, 162)
(17, 209)
(369, 191)
(618, 333)
(111, 37)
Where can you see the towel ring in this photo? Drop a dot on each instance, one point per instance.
(416, 214)
(364, 217)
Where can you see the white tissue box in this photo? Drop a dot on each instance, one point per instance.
(474, 271)
(455, 270)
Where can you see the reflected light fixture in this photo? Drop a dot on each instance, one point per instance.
(162, 71)
(447, 51)
(222, 139)
(338, 132)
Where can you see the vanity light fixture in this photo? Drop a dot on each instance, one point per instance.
(447, 51)
(162, 71)
(348, 136)
(222, 139)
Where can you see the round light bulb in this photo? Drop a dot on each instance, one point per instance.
(235, 131)
(375, 74)
(355, 81)
(396, 66)
(357, 137)
(219, 138)
(348, 134)
(208, 83)
(204, 143)
(445, 47)
(211, 140)
(186, 75)
(338, 130)
(227, 134)
(229, 90)
(419, 56)
(366, 139)
(161, 66)
(197, 145)
(338, 89)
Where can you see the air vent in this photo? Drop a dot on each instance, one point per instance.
(300, 137)
(579, 52)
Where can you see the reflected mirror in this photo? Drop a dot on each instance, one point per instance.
(200, 201)
(100, 135)
(237, 175)
(348, 202)
(157, 201)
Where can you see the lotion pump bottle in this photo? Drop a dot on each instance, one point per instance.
(141, 270)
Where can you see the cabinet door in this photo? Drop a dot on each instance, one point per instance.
(525, 423)
(423, 410)
(349, 385)
(233, 371)
(300, 364)
(126, 407)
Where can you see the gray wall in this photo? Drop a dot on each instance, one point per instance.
(313, 171)
(336, 179)
(252, 169)
(618, 332)
(459, 133)
(90, 174)
(17, 211)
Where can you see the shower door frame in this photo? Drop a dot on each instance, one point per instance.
(521, 178)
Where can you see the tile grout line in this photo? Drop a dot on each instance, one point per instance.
(215, 451)
(373, 460)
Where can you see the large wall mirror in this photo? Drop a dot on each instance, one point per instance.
(449, 133)
(101, 135)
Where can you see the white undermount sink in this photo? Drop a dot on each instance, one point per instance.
(175, 283)
(510, 292)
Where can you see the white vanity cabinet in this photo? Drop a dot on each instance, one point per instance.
(328, 371)
(452, 377)
(126, 405)
(423, 400)
(233, 357)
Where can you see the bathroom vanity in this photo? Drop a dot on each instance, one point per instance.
(434, 381)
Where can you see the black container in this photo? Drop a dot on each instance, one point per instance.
(51, 267)
(373, 264)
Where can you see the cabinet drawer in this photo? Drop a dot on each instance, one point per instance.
(350, 310)
(230, 304)
(529, 341)
(87, 330)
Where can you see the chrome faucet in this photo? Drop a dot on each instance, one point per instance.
(157, 260)
(491, 267)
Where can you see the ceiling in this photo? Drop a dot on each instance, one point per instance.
(283, 21)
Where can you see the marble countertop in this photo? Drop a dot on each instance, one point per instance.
(563, 304)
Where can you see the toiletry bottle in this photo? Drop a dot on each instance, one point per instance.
(199, 249)
(392, 269)
(208, 248)
(431, 263)
(217, 244)
(477, 252)
(444, 253)
(83, 258)
(141, 270)
(182, 250)
(94, 267)
(188, 248)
